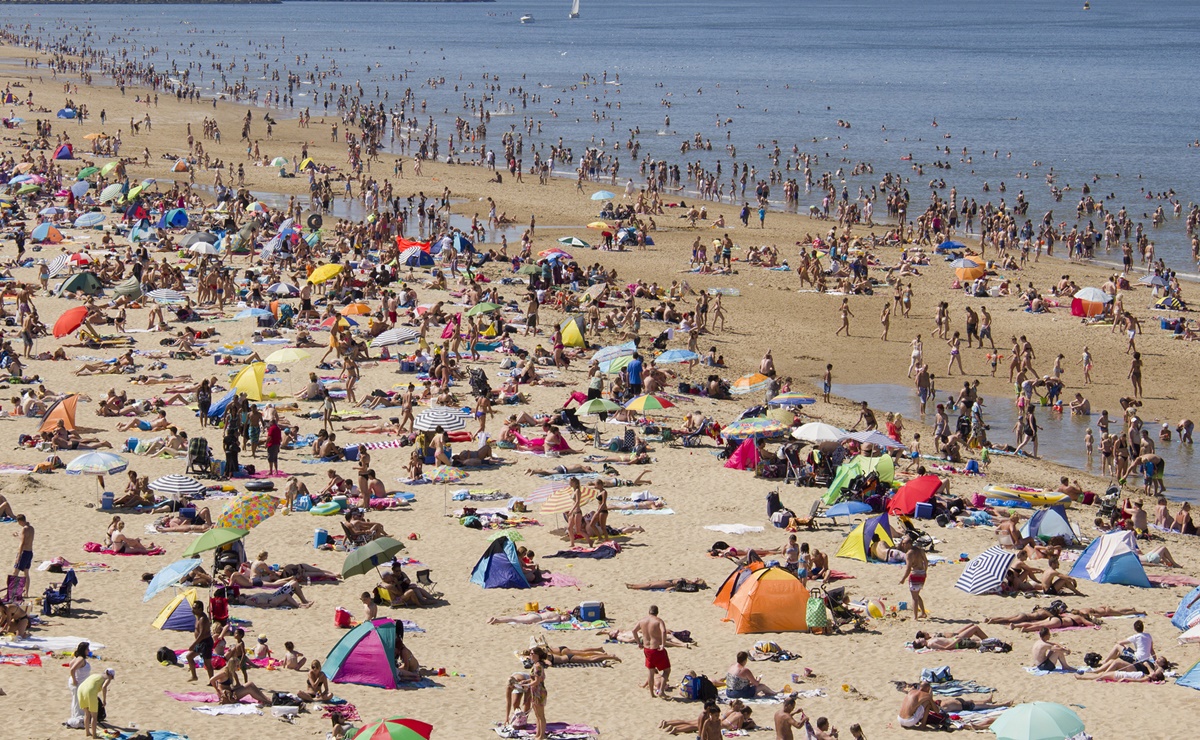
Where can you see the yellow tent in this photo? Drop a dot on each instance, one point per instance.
(857, 544)
(250, 381)
(177, 615)
(306, 164)
(323, 273)
(572, 332)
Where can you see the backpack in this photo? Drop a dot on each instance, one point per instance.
(782, 518)
(995, 645)
(941, 674)
(1057, 607)
(698, 688)
(166, 656)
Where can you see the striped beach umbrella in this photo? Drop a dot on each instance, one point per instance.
(449, 419)
(985, 573)
(749, 384)
(395, 728)
(571, 241)
(163, 295)
(561, 500)
(873, 437)
(285, 289)
(177, 486)
(58, 265)
(759, 426)
(97, 463)
(112, 192)
(672, 356)
(399, 335)
(447, 474)
(648, 402)
(791, 399)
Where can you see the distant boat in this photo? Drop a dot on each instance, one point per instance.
(527, 18)
(574, 10)
(1087, 5)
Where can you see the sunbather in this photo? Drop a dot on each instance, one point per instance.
(737, 717)
(539, 617)
(686, 585)
(289, 595)
(563, 655)
(967, 638)
(626, 637)
(128, 545)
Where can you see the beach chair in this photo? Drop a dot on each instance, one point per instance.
(425, 580)
(15, 591)
(199, 457)
(352, 539)
(57, 598)
(693, 439)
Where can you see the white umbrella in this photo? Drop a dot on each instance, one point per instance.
(399, 335)
(1093, 295)
(817, 431)
(162, 295)
(873, 437)
(177, 486)
(58, 265)
(449, 419)
(204, 248)
(283, 289)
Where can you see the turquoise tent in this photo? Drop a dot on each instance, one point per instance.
(1191, 679)
(366, 655)
(1112, 558)
(1048, 523)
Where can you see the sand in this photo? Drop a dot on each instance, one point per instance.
(769, 314)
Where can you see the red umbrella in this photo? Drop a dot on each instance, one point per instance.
(80, 258)
(917, 491)
(71, 320)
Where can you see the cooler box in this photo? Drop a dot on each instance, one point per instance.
(320, 537)
(923, 511)
(591, 611)
(106, 501)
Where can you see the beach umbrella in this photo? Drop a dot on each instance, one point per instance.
(1153, 280)
(370, 556)
(87, 172)
(324, 272)
(52, 211)
(415, 257)
(204, 248)
(79, 259)
(355, 309)
(571, 241)
(596, 406)
(529, 270)
(648, 402)
(212, 539)
(253, 313)
(57, 265)
(614, 351)
(594, 292)
(847, 508)
(964, 262)
(791, 399)
(71, 320)
(600, 225)
(399, 335)
(616, 364)
(247, 510)
(169, 576)
(88, 220)
(749, 383)
(873, 437)
(603, 195)
(949, 245)
(97, 463)
(79, 189)
(449, 419)
(985, 573)
(447, 474)
(133, 193)
(257, 207)
(279, 162)
(1093, 295)
(177, 486)
(286, 289)
(555, 253)
(112, 192)
(163, 295)
(28, 189)
(676, 355)
(755, 427)
(200, 237)
(287, 354)
(818, 431)
(395, 728)
(969, 273)
(481, 308)
(339, 320)
(1039, 720)
(561, 500)
(109, 168)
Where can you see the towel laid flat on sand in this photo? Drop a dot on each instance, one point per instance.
(97, 547)
(558, 580)
(49, 644)
(228, 709)
(733, 528)
(554, 731)
(27, 659)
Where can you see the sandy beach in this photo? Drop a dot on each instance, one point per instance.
(853, 672)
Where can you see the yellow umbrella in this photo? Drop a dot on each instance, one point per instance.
(93, 137)
(598, 225)
(288, 354)
(561, 501)
(324, 272)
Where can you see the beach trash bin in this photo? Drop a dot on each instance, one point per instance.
(320, 537)
(591, 611)
(106, 501)
(923, 511)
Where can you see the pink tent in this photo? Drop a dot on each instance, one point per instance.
(745, 457)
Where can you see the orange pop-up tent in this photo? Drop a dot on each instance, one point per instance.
(62, 409)
(770, 600)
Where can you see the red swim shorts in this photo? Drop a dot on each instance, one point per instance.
(657, 659)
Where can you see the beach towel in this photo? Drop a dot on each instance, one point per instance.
(154, 735)
(558, 580)
(347, 711)
(1035, 671)
(11, 469)
(957, 687)
(601, 552)
(97, 547)
(228, 709)
(733, 528)
(49, 644)
(576, 625)
(78, 567)
(554, 731)
(1168, 580)
(424, 683)
(201, 697)
(644, 512)
(26, 659)
(777, 699)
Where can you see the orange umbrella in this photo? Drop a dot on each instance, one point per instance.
(71, 320)
(969, 273)
(356, 309)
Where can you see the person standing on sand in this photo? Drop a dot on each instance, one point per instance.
(785, 719)
(885, 318)
(25, 549)
(202, 645)
(650, 634)
(916, 565)
(846, 314)
(827, 383)
(955, 344)
(78, 671)
(1135, 374)
(536, 689)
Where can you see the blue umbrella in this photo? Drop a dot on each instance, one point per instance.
(615, 351)
(676, 355)
(847, 508)
(949, 245)
(169, 576)
(88, 220)
(603, 195)
(80, 188)
(253, 313)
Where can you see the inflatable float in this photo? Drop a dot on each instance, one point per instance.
(1034, 496)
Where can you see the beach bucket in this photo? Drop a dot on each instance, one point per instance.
(320, 537)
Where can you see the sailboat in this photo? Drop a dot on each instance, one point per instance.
(574, 14)
(527, 18)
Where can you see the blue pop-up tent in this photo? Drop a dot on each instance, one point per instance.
(500, 566)
(1112, 558)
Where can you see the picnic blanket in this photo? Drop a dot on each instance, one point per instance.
(1170, 579)
(558, 580)
(26, 659)
(97, 547)
(554, 731)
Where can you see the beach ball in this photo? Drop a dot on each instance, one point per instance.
(875, 608)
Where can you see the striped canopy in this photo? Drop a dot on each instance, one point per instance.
(561, 500)
(449, 419)
(399, 335)
(176, 485)
(985, 573)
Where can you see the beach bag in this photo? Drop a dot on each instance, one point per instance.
(283, 699)
(166, 656)
(815, 614)
(782, 518)
(941, 674)
(341, 618)
(699, 688)
(995, 645)
(302, 503)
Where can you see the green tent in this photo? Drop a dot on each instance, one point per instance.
(851, 469)
(84, 282)
(130, 288)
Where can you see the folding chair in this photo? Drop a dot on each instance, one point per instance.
(199, 457)
(425, 580)
(57, 599)
(352, 539)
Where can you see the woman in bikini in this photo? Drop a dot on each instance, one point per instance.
(128, 545)
(562, 655)
(967, 638)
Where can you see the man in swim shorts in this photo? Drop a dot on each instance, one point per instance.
(918, 706)
(650, 634)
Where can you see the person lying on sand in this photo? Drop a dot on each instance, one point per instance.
(261, 570)
(736, 718)
(1122, 671)
(541, 617)
(563, 655)
(200, 521)
(561, 470)
(918, 705)
(626, 637)
(967, 638)
(289, 594)
(1089, 612)
(684, 585)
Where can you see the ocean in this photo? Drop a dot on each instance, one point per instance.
(1024, 86)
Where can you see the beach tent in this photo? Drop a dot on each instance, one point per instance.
(573, 332)
(130, 288)
(500, 566)
(62, 409)
(1170, 303)
(1112, 558)
(986, 572)
(217, 410)
(177, 615)
(1191, 679)
(917, 491)
(84, 282)
(180, 166)
(770, 600)
(366, 655)
(1186, 617)
(65, 113)
(1048, 523)
(46, 233)
(308, 164)
(857, 544)
(402, 244)
(745, 457)
(64, 151)
(854, 467)
(416, 257)
(250, 381)
(176, 218)
(738, 577)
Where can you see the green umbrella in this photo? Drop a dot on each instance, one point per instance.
(108, 168)
(597, 406)
(370, 556)
(395, 728)
(28, 189)
(481, 308)
(212, 539)
(529, 270)
(87, 172)
(1040, 720)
